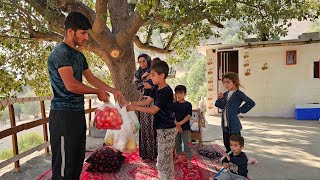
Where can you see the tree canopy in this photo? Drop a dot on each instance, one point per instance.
(31, 28)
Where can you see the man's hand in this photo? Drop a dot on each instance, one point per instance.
(103, 96)
(118, 96)
(220, 95)
(131, 108)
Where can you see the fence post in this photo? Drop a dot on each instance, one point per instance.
(44, 127)
(89, 118)
(14, 137)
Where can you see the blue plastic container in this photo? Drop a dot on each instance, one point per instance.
(307, 112)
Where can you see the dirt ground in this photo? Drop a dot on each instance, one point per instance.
(286, 149)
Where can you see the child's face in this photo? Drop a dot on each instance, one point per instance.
(236, 147)
(155, 77)
(180, 96)
(229, 85)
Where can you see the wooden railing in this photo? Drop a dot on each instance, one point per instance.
(14, 129)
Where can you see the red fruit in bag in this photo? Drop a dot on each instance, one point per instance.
(106, 126)
(100, 122)
(103, 119)
(98, 117)
(106, 113)
(108, 120)
(99, 126)
(119, 123)
(113, 124)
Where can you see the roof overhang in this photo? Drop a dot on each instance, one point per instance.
(261, 44)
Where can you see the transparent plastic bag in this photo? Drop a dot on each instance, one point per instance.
(107, 116)
(124, 139)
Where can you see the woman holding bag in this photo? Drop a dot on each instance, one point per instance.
(147, 133)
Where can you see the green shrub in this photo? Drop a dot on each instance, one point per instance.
(6, 154)
(25, 142)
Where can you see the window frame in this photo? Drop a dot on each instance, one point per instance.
(289, 55)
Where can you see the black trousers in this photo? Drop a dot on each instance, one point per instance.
(226, 140)
(68, 143)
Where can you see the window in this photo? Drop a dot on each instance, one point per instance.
(316, 69)
(291, 57)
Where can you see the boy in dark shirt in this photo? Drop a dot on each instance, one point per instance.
(162, 95)
(183, 113)
(237, 162)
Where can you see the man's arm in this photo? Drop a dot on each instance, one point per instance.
(75, 86)
(72, 84)
(96, 82)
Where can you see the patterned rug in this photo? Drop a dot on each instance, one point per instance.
(135, 168)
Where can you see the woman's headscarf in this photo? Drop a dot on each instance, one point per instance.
(141, 71)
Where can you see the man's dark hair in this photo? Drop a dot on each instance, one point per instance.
(237, 138)
(77, 21)
(161, 67)
(180, 89)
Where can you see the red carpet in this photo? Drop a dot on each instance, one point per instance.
(135, 168)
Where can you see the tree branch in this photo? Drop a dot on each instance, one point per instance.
(150, 31)
(133, 25)
(99, 24)
(146, 46)
(171, 39)
(15, 37)
(49, 36)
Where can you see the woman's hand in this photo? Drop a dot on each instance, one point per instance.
(144, 75)
(147, 85)
(220, 95)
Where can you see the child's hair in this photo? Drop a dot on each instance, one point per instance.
(233, 77)
(160, 67)
(77, 21)
(180, 89)
(237, 138)
(156, 59)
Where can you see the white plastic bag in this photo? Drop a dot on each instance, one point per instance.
(124, 139)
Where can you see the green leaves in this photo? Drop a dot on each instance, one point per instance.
(176, 24)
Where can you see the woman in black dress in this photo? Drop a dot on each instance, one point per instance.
(147, 133)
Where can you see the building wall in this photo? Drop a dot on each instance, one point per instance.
(211, 57)
(277, 89)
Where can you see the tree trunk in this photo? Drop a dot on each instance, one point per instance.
(122, 72)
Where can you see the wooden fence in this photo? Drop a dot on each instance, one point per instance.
(14, 129)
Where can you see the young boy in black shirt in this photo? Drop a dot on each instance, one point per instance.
(162, 96)
(237, 162)
(183, 112)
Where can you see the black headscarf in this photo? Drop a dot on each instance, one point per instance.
(141, 71)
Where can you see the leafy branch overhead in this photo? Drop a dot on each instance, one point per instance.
(31, 28)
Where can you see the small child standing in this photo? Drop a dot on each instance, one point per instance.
(237, 162)
(183, 113)
(230, 103)
(162, 96)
